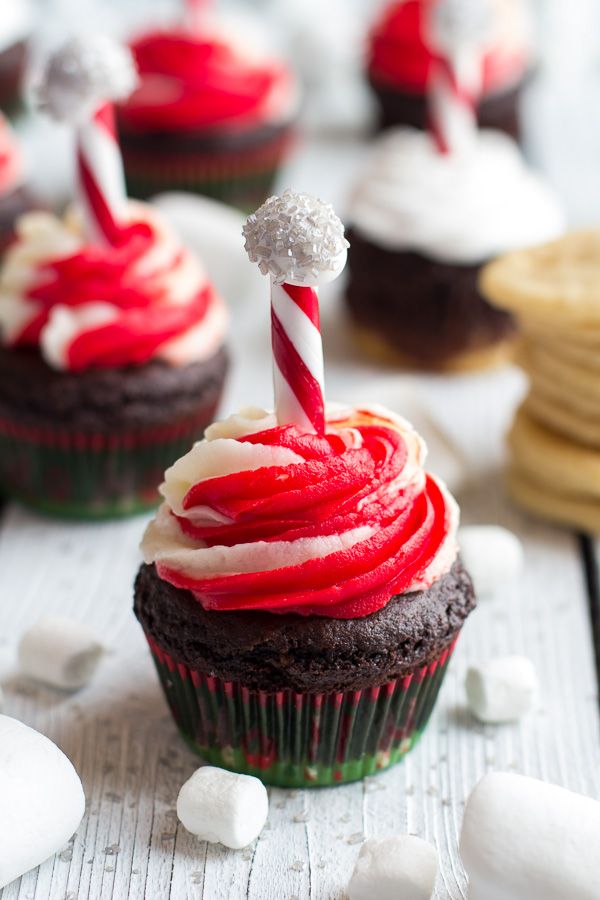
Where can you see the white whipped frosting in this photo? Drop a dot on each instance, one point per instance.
(459, 208)
(16, 19)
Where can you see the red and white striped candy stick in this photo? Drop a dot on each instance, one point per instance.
(458, 31)
(299, 241)
(79, 82)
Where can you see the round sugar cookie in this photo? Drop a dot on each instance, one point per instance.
(552, 460)
(572, 379)
(577, 512)
(562, 348)
(563, 421)
(557, 280)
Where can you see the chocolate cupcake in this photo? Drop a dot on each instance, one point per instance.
(209, 116)
(301, 592)
(400, 57)
(112, 334)
(422, 224)
(15, 29)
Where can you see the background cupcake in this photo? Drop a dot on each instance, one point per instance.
(211, 114)
(15, 29)
(301, 592)
(112, 359)
(431, 207)
(400, 58)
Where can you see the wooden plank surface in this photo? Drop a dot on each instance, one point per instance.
(122, 740)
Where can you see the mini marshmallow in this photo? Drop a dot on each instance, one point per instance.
(502, 689)
(223, 807)
(492, 556)
(397, 867)
(60, 652)
(42, 799)
(523, 839)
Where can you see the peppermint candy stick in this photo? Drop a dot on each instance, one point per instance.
(78, 84)
(458, 31)
(299, 241)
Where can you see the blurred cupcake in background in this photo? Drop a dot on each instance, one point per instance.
(401, 54)
(15, 29)
(112, 359)
(15, 198)
(431, 207)
(212, 114)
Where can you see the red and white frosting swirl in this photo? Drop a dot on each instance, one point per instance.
(89, 306)
(399, 53)
(205, 81)
(261, 516)
(12, 172)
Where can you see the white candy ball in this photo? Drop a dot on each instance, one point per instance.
(492, 556)
(60, 652)
(223, 807)
(42, 799)
(523, 839)
(403, 867)
(502, 689)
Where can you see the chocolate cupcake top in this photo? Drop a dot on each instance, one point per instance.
(208, 78)
(87, 305)
(261, 516)
(400, 54)
(461, 207)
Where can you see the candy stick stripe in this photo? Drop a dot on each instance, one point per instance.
(300, 376)
(100, 178)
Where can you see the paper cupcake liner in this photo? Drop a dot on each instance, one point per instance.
(86, 475)
(242, 178)
(300, 740)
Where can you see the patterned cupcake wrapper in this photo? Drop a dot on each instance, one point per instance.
(300, 740)
(241, 178)
(85, 475)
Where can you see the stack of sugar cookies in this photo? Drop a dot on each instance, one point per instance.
(554, 291)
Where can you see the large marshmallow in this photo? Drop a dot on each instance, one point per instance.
(223, 807)
(492, 556)
(397, 867)
(42, 800)
(60, 652)
(501, 689)
(523, 839)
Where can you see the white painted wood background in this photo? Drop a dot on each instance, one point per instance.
(118, 731)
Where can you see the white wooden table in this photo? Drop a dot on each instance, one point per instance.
(124, 744)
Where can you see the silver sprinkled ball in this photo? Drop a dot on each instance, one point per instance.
(296, 238)
(82, 74)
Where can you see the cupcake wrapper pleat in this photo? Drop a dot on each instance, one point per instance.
(300, 740)
(80, 474)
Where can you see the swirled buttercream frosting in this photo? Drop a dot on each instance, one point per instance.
(194, 81)
(261, 516)
(462, 207)
(86, 305)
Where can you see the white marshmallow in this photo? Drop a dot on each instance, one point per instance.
(42, 799)
(59, 652)
(397, 867)
(223, 807)
(523, 839)
(492, 556)
(502, 689)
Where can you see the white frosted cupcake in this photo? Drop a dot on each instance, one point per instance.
(422, 224)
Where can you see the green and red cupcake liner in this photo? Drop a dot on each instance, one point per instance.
(239, 176)
(300, 739)
(92, 475)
